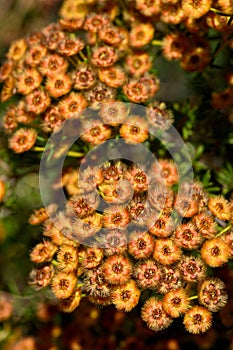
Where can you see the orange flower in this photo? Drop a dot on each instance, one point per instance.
(197, 319)
(220, 207)
(166, 251)
(43, 252)
(67, 257)
(141, 34)
(147, 274)
(135, 130)
(215, 252)
(27, 80)
(58, 85)
(126, 297)
(63, 284)
(22, 140)
(113, 76)
(2, 190)
(117, 269)
(196, 9)
(141, 245)
(70, 304)
(154, 314)
(212, 294)
(175, 302)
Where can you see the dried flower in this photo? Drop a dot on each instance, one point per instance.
(212, 294)
(220, 207)
(22, 140)
(67, 257)
(170, 279)
(135, 130)
(166, 251)
(126, 297)
(147, 274)
(41, 277)
(154, 314)
(69, 304)
(95, 283)
(90, 257)
(63, 284)
(104, 56)
(197, 319)
(43, 252)
(176, 302)
(117, 269)
(187, 236)
(141, 245)
(192, 268)
(205, 224)
(116, 216)
(215, 252)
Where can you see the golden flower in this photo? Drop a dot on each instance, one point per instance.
(22, 140)
(197, 319)
(220, 207)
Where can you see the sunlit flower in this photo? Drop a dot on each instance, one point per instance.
(154, 314)
(22, 140)
(197, 319)
(126, 297)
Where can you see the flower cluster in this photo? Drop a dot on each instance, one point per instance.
(126, 235)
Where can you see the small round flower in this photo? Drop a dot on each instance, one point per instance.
(90, 257)
(27, 80)
(220, 207)
(83, 78)
(113, 113)
(113, 242)
(160, 196)
(212, 294)
(174, 46)
(99, 94)
(192, 269)
(147, 274)
(17, 49)
(196, 9)
(151, 83)
(141, 245)
(162, 227)
(154, 315)
(215, 252)
(149, 8)
(67, 257)
(95, 132)
(158, 116)
(166, 251)
(10, 120)
(186, 205)
(197, 319)
(138, 63)
(43, 252)
(72, 104)
(35, 54)
(126, 297)
(8, 88)
(53, 64)
(136, 91)
(71, 24)
(187, 236)
(37, 101)
(116, 192)
(58, 85)
(137, 176)
(70, 46)
(172, 13)
(135, 130)
(113, 76)
(95, 22)
(6, 69)
(104, 56)
(170, 279)
(83, 205)
(95, 283)
(63, 284)
(111, 172)
(52, 119)
(117, 269)
(116, 216)
(41, 277)
(70, 304)
(22, 140)
(141, 34)
(84, 228)
(110, 35)
(205, 224)
(228, 238)
(176, 302)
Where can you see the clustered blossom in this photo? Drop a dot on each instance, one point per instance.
(110, 256)
(148, 245)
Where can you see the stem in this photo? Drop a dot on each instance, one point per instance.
(227, 228)
(157, 42)
(193, 297)
(82, 56)
(55, 262)
(220, 13)
(69, 154)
